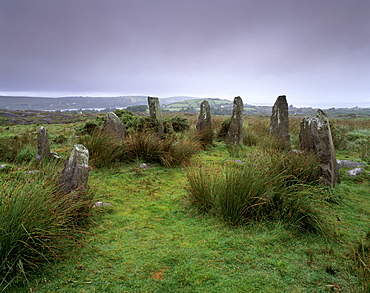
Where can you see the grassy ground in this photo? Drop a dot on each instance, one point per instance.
(150, 240)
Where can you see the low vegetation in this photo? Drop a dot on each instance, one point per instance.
(38, 223)
(201, 217)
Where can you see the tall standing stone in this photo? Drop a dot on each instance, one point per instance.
(204, 123)
(156, 113)
(204, 118)
(315, 137)
(235, 132)
(43, 146)
(113, 126)
(279, 123)
(76, 170)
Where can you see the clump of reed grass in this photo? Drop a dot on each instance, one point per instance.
(361, 257)
(13, 145)
(37, 223)
(103, 149)
(147, 146)
(263, 188)
(170, 151)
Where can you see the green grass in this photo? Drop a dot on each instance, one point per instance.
(37, 222)
(150, 240)
(153, 240)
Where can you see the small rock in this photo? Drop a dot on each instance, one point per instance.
(55, 155)
(239, 161)
(349, 164)
(143, 166)
(102, 204)
(355, 172)
(31, 172)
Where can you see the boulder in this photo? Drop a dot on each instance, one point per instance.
(76, 170)
(315, 137)
(349, 164)
(235, 132)
(355, 172)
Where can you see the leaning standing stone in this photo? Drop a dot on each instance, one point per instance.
(279, 123)
(113, 126)
(235, 133)
(315, 136)
(43, 145)
(76, 170)
(156, 113)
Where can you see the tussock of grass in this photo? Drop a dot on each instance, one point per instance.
(265, 187)
(361, 256)
(148, 147)
(36, 221)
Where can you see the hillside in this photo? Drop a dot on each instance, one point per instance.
(78, 102)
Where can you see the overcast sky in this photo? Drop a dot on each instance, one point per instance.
(316, 52)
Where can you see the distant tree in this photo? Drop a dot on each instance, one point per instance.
(138, 108)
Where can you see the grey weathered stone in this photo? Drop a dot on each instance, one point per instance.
(315, 136)
(101, 204)
(279, 122)
(235, 133)
(349, 164)
(143, 166)
(113, 126)
(76, 170)
(43, 146)
(156, 113)
(355, 172)
(55, 155)
(204, 119)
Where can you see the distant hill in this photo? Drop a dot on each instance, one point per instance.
(170, 104)
(78, 102)
(193, 105)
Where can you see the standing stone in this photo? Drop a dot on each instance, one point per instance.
(279, 123)
(315, 137)
(113, 126)
(76, 170)
(42, 144)
(235, 133)
(204, 124)
(156, 113)
(204, 118)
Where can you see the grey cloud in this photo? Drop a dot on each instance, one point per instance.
(246, 47)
